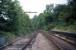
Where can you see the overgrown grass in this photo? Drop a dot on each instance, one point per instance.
(66, 28)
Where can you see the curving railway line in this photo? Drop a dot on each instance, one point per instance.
(62, 41)
(21, 44)
(41, 40)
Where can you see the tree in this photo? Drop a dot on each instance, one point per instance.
(72, 16)
(8, 12)
(12, 16)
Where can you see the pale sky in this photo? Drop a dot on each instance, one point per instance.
(38, 5)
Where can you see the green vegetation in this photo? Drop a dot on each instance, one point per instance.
(62, 17)
(14, 21)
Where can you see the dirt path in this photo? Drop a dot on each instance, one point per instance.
(42, 43)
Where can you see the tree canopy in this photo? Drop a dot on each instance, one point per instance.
(62, 15)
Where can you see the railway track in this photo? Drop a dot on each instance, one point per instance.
(60, 42)
(57, 40)
(66, 36)
(21, 44)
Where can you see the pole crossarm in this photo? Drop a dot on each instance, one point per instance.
(30, 12)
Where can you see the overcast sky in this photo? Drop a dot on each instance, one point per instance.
(38, 5)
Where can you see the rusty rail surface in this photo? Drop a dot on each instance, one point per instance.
(50, 35)
(31, 41)
(24, 45)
